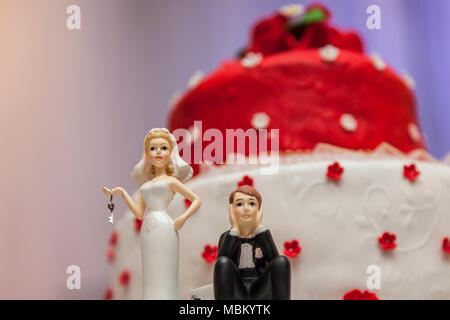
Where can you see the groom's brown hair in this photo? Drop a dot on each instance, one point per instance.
(248, 190)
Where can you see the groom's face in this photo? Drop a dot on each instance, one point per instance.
(158, 152)
(245, 208)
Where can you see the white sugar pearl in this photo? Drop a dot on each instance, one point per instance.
(292, 10)
(260, 120)
(194, 133)
(195, 79)
(414, 132)
(409, 81)
(348, 122)
(251, 59)
(377, 62)
(329, 53)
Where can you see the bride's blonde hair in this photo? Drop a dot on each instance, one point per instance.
(159, 134)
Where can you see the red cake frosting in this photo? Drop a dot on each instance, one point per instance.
(311, 81)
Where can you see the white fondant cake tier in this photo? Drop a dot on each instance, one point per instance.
(337, 224)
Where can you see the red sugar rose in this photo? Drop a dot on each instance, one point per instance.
(276, 34)
(446, 245)
(335, 171)
(124, 277)
(246, 180)
(110, 254)
(292, 249)
(318, 35)
(114, 237)
(270, 35)
(209, 253)
(387, 241)
(109, 294)
(356, 294)
(137, 224)
(410, 172)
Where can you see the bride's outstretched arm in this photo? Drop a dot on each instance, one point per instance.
(191, 196)
(138, 209)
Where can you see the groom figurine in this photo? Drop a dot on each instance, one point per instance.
(248, 264)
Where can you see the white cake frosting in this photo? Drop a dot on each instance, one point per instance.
(337, 224)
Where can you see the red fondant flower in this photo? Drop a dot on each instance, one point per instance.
(356, 294)
(209, 253)
(318, 35)
(270, 35)
(137, 224)
(446, 245)
(124, 277)
(314, 31)
(335, 171)
(110, 254)
(410, 172)
(114, 237)
(275, 33)
(246, 180)
(387, 241)
(187, 203)
(345, 40)
(292, 249)
(109, 294)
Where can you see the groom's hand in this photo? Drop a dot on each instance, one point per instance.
(259, 216)
(232, 218)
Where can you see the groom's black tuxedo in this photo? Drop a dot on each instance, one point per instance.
(230, 246)
(250, 268)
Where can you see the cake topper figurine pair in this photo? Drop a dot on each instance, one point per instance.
(248, 264)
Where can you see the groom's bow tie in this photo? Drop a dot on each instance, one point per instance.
(248, 240)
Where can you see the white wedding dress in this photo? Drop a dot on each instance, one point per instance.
(159, 244)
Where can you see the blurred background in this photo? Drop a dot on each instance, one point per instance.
(75, 106)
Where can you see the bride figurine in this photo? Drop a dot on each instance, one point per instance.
(161, 173)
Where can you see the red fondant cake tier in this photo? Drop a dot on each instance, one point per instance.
(305, 98)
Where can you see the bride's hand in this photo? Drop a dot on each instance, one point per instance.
(178, 222)
(115, 192)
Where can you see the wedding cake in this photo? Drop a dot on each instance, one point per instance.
(356, 203)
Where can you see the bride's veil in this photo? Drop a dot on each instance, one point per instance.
(182, 171)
